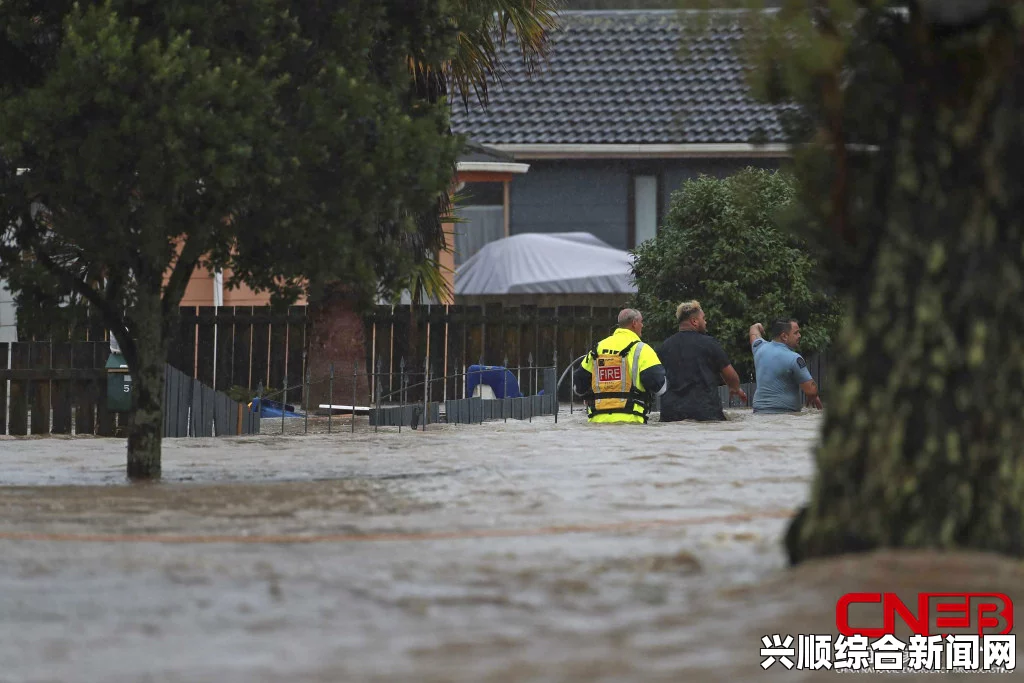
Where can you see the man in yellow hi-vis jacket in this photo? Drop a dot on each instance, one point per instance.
(621, 375)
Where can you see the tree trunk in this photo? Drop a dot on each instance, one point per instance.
(923, 439)
(146, 360)
(337, 336)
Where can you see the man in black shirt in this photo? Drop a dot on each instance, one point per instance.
(694, 365)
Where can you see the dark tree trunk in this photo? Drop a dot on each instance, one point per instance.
(337, 336)
(146, 355)
(923, 440)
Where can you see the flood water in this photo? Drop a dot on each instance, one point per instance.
(496, 552)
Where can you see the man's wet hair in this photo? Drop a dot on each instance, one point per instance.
(781, 325)
(627, 316)
(687, 310)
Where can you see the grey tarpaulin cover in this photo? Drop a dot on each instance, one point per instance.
(546, 263)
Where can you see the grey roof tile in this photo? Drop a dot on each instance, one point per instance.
(617, 77)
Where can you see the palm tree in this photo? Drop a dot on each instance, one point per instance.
(481, 32)
(484, 28)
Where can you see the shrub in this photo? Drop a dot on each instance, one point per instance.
(721, 244)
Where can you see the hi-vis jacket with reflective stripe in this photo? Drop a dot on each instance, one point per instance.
(619, 379)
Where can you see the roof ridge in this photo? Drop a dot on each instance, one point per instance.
(617, 76)
(715, 10)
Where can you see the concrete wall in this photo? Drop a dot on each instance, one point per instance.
(593, 195)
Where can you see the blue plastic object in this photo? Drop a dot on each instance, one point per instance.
(497, 377)
(272, 408)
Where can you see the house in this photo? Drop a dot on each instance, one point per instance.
(616, 120)
(486, 171)
(598, 139)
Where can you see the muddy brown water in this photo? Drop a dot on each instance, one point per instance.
(501, 552)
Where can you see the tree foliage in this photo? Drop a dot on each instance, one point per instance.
(721, 244)
(907, 116)
(280, 141)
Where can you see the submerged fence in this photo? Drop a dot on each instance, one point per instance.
(411, 399)
(193, 409)
(61, 388)
(54, 388)
(249, 346)
(432, 348)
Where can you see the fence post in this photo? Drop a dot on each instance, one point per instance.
(305, 405)
(259, 394)
(554, 399)
(401, 393)
(572, 386)
(355, 383)
(427, 375)
(284, 402)
(430, 384)
(504, 390)
(376, 392)
(405, 396)
(529, 360)
(519, 370)
(426, 383)
(480, 378)
(330, 396)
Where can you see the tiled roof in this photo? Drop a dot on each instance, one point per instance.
(618, 78)
(474, 152)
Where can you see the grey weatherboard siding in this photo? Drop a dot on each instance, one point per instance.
(570, 196)
(593, 195)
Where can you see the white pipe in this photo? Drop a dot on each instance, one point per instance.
(218, 288)
(218, 300)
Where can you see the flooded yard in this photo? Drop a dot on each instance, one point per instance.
(495, 552)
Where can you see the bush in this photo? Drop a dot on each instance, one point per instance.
(720, 244)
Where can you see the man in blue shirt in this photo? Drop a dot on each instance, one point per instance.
(781, 372)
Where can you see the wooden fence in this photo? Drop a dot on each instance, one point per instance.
(61, 388)
(54, 388)
(247, 346)
(244, 346)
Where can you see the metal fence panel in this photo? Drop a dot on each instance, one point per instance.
(196, 404)
(209, 398)
(184, 405)
(393, 416)
(225, 420)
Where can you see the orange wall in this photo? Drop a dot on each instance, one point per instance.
(447, 258)
(199, 292)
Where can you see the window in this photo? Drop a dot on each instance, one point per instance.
(483, 213)
(645, 208)
(483, 194)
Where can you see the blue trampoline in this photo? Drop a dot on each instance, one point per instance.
(499, 378)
